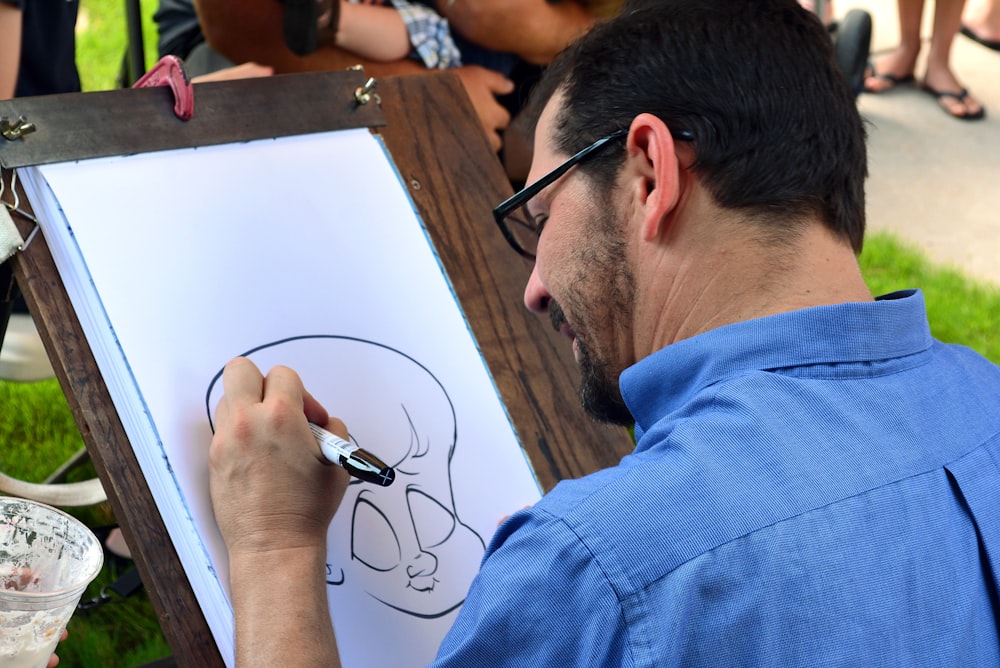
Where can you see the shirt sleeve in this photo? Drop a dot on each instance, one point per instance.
(430, 35)
(540, 599)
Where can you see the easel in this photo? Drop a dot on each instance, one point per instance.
(433, 137)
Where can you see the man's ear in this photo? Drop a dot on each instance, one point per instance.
(654, 172)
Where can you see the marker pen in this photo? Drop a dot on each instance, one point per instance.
(359, 463)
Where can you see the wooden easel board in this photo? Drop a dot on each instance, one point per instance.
(453, 181)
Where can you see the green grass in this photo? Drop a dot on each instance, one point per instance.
(960, 310)
(24, 432)
(101, 31)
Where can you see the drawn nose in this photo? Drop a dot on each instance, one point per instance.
(424, 563)
(421, 569)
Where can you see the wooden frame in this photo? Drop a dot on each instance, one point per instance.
(454, 179)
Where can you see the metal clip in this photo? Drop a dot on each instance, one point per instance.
(15, 206)
(364, 94)
(127, 584)
(16, 130)
(101, 599)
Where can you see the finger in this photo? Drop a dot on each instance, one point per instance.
(496, 82)
(242, 381)
(501, 119)
(501, 85)
(314, 410)
(283, 384)
(337, 426)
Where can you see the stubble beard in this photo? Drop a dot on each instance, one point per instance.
(600, 395)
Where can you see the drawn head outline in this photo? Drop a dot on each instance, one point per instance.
(405, 545)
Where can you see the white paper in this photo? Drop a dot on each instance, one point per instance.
(302, 251)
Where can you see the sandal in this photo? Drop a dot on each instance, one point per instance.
(891, 79)
(975, 37)
(961, 96)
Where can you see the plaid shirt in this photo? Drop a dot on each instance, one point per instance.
(430, 35)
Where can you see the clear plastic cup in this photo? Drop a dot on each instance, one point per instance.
(47, 559)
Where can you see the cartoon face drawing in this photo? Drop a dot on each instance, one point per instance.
(404, 545)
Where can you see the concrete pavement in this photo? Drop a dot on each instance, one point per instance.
(935, 180)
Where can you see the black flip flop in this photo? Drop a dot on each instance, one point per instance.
(960, 96)
(988, 43)
(891, 78)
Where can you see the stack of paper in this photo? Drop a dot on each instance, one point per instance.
(302, 251)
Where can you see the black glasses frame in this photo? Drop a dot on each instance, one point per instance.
(521, 197)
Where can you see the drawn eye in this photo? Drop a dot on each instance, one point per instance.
(373, 540)
(432, 522)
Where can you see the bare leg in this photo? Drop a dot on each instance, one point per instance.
(901, 62)
(939, 77)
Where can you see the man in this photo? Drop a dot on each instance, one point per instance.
(815, 479)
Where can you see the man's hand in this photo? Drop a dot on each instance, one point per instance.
(482, 86)
(274, 497)
(271, 489)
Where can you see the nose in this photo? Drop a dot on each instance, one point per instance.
(536, 297)
(420, 570)
(423, 563)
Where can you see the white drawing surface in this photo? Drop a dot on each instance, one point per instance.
(305, 252)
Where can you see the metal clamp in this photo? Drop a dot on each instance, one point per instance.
(17, 129)
(100, 599)
(364, 94)
(127, 584)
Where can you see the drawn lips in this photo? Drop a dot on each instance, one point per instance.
(428, 588)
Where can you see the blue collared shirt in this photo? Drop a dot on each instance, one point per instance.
(815, 488)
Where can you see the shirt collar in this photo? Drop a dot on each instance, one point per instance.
(895, 325)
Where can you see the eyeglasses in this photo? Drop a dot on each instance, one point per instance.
(518, 226)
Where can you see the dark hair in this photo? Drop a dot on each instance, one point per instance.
(776, 131)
